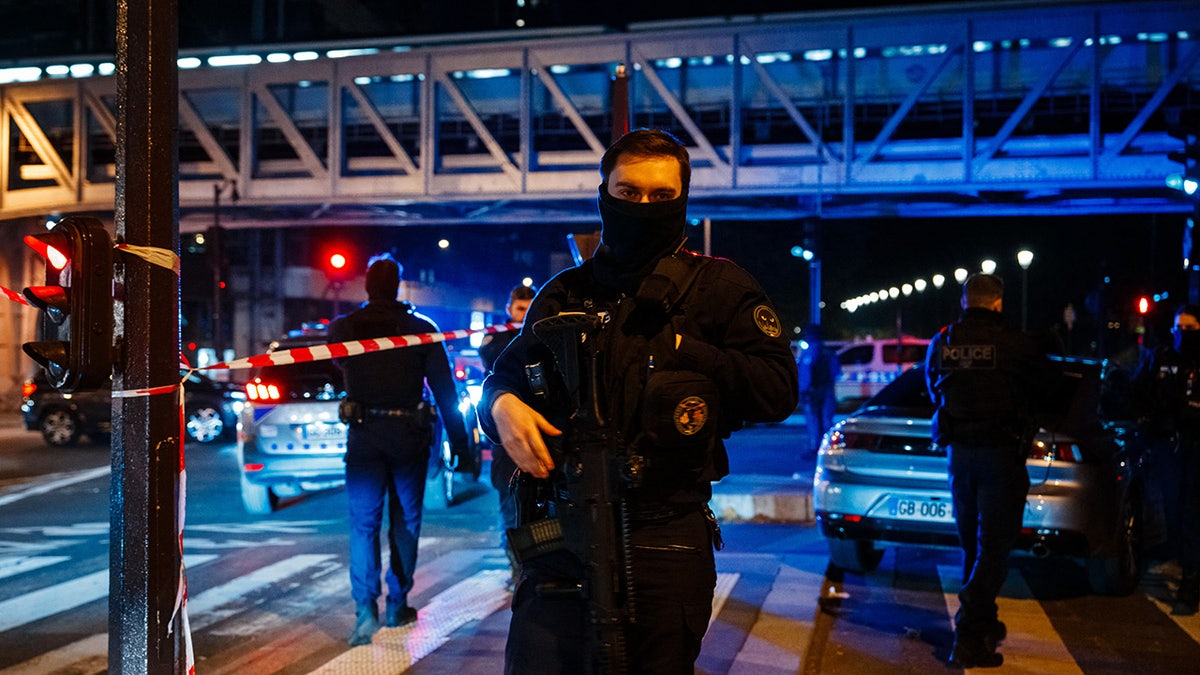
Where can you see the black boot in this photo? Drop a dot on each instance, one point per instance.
(366, 624)
(1187, 598)
(975, 651)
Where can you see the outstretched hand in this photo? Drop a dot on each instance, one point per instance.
(521, 429)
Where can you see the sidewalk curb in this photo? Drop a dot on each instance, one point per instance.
(763, 498)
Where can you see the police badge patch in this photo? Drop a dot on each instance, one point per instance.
(690, 415)
(767, 322)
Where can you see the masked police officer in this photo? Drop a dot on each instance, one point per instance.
(387, 452)
(985, 377)
(691, 348)
(1166, 389)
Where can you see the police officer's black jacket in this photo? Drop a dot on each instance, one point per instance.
(395, 379)
(731, 335)
(1166, 392)
(986, 379)
(492, 346)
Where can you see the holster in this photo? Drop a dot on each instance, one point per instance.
(351, 412)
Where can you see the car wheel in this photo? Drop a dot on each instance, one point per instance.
(854, 555)
(1118, 575)
(204, 424)
(259, 500)
(59, 428)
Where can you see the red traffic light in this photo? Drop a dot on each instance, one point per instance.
(52, 246)
(75, 336)
(1143, 305)
(337, 261)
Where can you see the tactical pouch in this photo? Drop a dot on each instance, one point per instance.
(680, 408)
(351, 412)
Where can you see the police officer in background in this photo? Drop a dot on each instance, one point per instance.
(503, 470)
(818, 369)
(985, 378)
(682, 330)
(1166, 398)
(387, 452)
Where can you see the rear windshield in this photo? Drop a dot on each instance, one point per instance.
(319, 380)
(903, 353)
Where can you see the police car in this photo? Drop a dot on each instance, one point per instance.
(291, 441)
(880, 481)
(869, 365)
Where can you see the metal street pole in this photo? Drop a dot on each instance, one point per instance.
(1024, 299)
(814, 291)
(145, 634)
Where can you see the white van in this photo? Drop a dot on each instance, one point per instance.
(868, 365)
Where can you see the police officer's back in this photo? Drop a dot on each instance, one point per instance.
(387, 451)
(985, 378)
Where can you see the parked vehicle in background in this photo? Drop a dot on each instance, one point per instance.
(291, 439)
(869, 365)
(211, 411)
(880, 481)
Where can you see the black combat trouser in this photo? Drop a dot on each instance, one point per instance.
(674, 577)
(989, 486)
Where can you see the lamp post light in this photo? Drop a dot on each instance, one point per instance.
(987, 266)
(960, 275)
(1024, 259)
(939, 280)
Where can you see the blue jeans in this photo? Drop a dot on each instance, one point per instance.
(386, 458)
(819, 407)
(502, 471)
(989, 487)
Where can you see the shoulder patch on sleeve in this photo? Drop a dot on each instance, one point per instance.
(767, 322)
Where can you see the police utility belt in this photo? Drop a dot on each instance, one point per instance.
(355, 412)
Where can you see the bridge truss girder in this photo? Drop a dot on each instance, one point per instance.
(1006, 109)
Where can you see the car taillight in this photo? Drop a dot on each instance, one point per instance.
(460, 373)
(28, 388)
(1055, 452)
(260, 391)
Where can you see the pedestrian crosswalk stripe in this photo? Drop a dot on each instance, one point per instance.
(725, 584)
(14, 566)
(784, 627)
(1032, 645)
(46, 602)
(394, 650)
(204, 609)
(53, 482)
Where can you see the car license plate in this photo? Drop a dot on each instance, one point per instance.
(322, 430)
(934, 510)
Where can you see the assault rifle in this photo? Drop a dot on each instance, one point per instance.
(598, 473)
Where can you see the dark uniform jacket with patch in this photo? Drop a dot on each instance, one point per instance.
(731, 336)
(1166, 393)
(983, 375)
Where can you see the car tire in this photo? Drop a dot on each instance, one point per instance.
(204, 424)
(1119, 574)
(259, 500)
(59, 428)
(854, 555)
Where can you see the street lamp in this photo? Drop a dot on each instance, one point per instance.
(987, 266)
(960, 275)
(1024, 259)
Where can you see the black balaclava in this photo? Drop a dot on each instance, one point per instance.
(1187, 343)
(634, 236)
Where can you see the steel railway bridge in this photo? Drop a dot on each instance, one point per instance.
(996, 108)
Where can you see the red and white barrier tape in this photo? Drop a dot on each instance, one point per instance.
(339, 350)
(14, 296)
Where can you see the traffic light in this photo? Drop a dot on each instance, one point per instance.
(1143, 305)
(76, 325)
(1185, 127)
